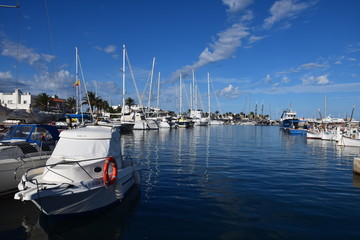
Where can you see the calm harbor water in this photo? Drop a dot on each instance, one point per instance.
(218, 182)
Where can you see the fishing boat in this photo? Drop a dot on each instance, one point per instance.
(287, 119)
(76, 178)
(22, 147)
(296, 131)
(350, 138)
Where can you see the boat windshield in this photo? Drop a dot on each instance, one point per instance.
(8, 133)
(20, 132)
(40, 134)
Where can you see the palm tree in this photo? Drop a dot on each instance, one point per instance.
(42, 101)
(102, 105)
(92, 99)
(71, 103)
(129, 102)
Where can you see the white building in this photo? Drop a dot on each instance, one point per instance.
(16, 100)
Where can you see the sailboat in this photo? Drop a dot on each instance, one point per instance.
(182, 121)
(138, 117)
(196, 114)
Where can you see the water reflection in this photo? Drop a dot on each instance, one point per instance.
(356, 180)
(347, 151)
(108, 224)
(143, 146)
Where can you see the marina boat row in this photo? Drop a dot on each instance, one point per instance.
(345, 133)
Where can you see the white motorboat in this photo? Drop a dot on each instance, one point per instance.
(22, 147)
(164, 122)
(201, 121)
(76, 179)
(348, 142)
(349, 138)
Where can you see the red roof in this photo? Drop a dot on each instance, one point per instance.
(58, 100)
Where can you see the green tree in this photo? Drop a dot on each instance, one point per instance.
(71, 103)
(129, 102)
(42, 101)
(102, 105)
(92, 100)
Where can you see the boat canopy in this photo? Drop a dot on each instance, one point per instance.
(90, 142)
(32, 133)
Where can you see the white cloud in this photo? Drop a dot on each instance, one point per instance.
(237, 5)
(284, 9)
(323, 79)
(48, 57)
(230, 92)
(254, 38)
(268, 79)
(229, 40)
(53, 82)
(311, 65)
(224, 48)
(23, 53)
(305, 66)
(351, 59)
(319, 80)
(110, 49)
(18, 51)
(285, 80)
(5, 75)
(352, 48)
(330, 88)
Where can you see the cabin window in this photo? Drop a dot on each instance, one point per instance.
(8, 134)
(40, 134)
(22, 132)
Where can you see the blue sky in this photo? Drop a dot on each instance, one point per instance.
(270, 53)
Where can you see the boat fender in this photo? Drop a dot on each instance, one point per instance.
(108, 180)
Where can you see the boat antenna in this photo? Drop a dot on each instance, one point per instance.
(320, 115)
(352, 112)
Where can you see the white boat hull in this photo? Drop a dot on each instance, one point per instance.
(8, 180)
(348, 142)
(313, 135)
(140, 125)
(152, 125)
(79, 197)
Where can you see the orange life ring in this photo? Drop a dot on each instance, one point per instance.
(108, 180)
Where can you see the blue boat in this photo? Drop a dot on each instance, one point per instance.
(287, 119)
(290, 123)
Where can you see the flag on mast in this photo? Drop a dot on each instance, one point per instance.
(77, 83)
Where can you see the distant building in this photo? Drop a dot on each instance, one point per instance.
(17, 100)
(58, 104)
(20, 100)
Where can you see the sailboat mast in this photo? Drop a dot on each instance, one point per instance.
(180, 96)
(192, 91)
(209, 101)
(151, 80)
(158, 93)
(325, 107)
(123, 79)
(76, 80)
(195, 92)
